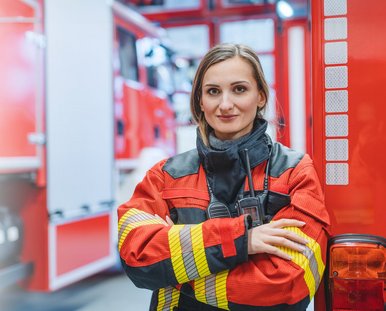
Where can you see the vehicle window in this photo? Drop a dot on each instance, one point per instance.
(127, 55)
(160, 69)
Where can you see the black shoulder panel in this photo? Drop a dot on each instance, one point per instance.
(183, 164)
(283, 158)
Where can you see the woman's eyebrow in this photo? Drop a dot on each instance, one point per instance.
(241, 81)
(233, 83)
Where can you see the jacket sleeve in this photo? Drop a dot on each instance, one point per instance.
(284, 282)
(155, 255)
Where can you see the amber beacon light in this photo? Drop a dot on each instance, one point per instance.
(357, 272)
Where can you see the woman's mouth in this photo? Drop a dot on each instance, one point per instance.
(228, 117)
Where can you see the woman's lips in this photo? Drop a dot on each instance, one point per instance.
(227, 117)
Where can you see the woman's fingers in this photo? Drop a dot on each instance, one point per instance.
(287, 223)
(267, 238)
(281, 241)
(289, 235)
(163, 221)
(168, 221)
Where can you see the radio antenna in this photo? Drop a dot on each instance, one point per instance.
(248, 167)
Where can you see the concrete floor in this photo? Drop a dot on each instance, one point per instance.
(102, 292)
(107, 292)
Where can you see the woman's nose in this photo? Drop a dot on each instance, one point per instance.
(226, 102)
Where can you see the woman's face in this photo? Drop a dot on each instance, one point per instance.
(230, 98)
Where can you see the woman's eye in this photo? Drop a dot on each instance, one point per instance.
(213, 91)
(240, 89)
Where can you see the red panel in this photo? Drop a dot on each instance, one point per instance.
(35, 237)
(282, 91)
(357, 207)
(361, 203)
(128, 144)
(89, 239)
(13, 8)
(164, 14)
(18, 85)
(223, 9)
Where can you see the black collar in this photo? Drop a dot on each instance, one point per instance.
(225, 169)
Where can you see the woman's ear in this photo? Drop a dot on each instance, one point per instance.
(262, 100)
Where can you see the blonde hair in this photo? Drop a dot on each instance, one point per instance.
(218, 54)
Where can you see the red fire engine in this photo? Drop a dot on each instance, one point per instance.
(326, 83)
(73, 85)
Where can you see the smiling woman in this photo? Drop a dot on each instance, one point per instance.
(232, 82)
(230, 98)
(238, 223)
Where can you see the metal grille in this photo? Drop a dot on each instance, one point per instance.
(336, 77)
(335, 53)
(337, 149)
(337, 174)
(335, 28)
(335, 7)
(336, 125)
(337, 101)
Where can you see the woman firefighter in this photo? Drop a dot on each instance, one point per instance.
(238, 223)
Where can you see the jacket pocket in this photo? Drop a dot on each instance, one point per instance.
(276, 201)
(186, 205)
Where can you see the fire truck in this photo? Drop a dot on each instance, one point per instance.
(325, 66)
(325, 63)
(75, 79)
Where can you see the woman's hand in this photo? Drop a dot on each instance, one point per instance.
(168, 221)
(265, 238)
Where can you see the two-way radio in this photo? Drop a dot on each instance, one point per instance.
(254, 204)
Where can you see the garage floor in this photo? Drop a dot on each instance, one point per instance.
(107, 292)
(103, 292)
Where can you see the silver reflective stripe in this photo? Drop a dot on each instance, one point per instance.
(168, 298)
(187, 253)
(132, 219)
(313, 265)
(210, 290)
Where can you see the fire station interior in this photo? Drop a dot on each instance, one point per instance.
(93, 93)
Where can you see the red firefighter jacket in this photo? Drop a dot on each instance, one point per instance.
(203, 264)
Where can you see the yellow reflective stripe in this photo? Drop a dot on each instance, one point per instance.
(176, 253)
(199, 250)
(161, 299)
(199, 290)
(215, 295)
(175, 298)
(168, 298)
(130, 212)
(137, 224)
(314, 246)
(302, 261)
(221, 290)
(318, 256)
